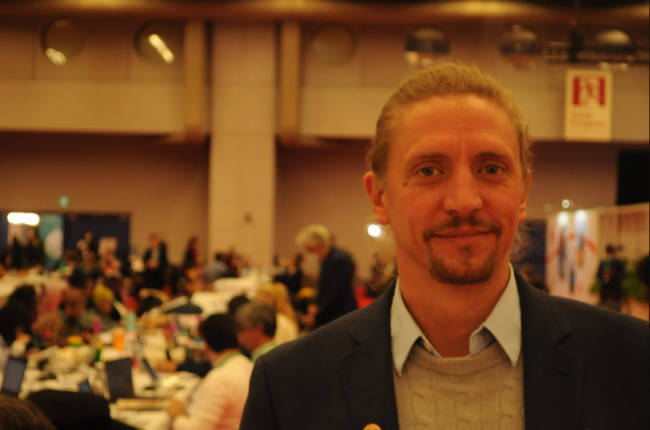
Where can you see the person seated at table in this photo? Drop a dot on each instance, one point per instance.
(256, 325)
(34, 250)
(109, 264)
(75, 273)
(71, 410)
(19, 414)
(91, 266)
(218, 402)
(103, 308)
(187, 285)
(276, 295)
(14, 325)
(26, 296)
(70, 319)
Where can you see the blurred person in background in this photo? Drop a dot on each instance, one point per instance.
(91, 267)
(643, 271)
(276, 295)
(189, 283)
(256, 325)
(16, 255)
(237, 302)
(216, 269)
(103, 299)
(53, 329)
(292, 275)
(20, 414)
(14, 326)
(191, 257)
(77, 277)
(335, 282)
(25, 295)
(69, 410)
(86, 243)
(109, 264)
(34, 250)
(218, 402)
(155, 261)
(611, 272)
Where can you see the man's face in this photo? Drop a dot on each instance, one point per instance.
(453, 192)
(74, 304)
(247, 338)
(153, 242)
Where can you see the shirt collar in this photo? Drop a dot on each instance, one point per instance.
(503, 325)
(262, 350)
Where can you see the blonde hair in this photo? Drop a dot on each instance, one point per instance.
(313, 235)
(101, 293)
(443, 80)
(276, 295)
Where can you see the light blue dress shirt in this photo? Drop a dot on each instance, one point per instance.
(502, 325)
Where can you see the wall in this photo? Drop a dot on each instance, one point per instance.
(107, 88)
(164, 188)
(345, 100)
(325, 186)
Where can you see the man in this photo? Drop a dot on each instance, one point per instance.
(155, 261)
(611, 272)
(460, 341)
(256, 325)
(214, 270)
(219, 401)
(335, 290)
(71, 319)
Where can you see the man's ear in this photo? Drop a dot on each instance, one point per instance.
(524, 197)
(375, 191)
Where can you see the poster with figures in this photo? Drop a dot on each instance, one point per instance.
(572, 254)
(588, 105)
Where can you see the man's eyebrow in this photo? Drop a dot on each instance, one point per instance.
(492, 154)
(430, 155)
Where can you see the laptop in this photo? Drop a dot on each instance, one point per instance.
(120, 387)
(13, 376)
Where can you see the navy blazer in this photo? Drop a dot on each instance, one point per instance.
(335, 287)
(584, 368)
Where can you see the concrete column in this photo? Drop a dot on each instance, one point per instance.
(242, 150)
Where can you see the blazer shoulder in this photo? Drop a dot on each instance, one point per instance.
(604, 325)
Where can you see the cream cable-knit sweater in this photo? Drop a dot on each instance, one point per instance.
(480, 392)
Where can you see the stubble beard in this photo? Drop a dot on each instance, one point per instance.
(471, 272)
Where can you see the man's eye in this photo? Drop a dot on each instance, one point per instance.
(427, 171)
(492, 170)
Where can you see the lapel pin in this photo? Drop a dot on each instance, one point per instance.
(372, 427)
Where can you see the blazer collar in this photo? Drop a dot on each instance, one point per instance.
(552, 371)
(366, 373)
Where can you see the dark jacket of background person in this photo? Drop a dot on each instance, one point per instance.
(584, 368)
(335, 289)
(76, 411)
(155, 278)
(611, 273)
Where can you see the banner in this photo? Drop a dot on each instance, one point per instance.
(588, 105)
(572, 254)
(50, 230)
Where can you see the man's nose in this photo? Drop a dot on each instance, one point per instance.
(463, 196)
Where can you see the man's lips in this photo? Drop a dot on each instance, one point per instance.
(465, 232)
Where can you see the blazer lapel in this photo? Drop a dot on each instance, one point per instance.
(366, 373)
(552, 373)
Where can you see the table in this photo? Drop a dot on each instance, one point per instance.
(142, 420)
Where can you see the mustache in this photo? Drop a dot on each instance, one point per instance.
(459, 222)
